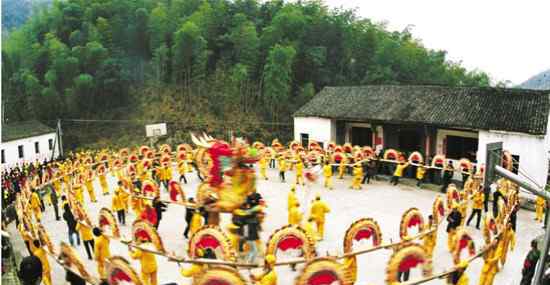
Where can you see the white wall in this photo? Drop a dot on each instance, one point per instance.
(319, 129)
(11, 153)
(532, 151)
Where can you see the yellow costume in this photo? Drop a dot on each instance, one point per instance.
(148, 266)
(478, 200)
(420, 172)
(292, 199)
(101, 253)
(262, 164)
(79, 196)
(327, 173)
(103, 183)
(540, 204)
(429, 241)
(490, 267)
(35, 206)
(196, 222)
(318, 211)
(508, 242)
(124, 198)
(91, 192)
(357, 176)
(46, 271)
(193, 271)
(310, 229)
(294, 215)
(399, 169)
(341, 168)
(84, 231)
(300, 172)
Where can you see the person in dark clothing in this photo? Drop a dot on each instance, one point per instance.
(188, 216)
(530, 264)
(159, 208)
(30, 270)
(204, 214)
(194, 164)
(369, 171)
(55, 204)
(448, 173)
(454, 219)
(403, 276)
(71, 224)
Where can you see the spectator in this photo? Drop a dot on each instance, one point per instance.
(529, 264)
(159, 208)
(30, 270)
(71, 224)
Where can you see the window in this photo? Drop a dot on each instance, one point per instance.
(21, 151)
(36, 147)
(461, 147)
(3, 157)
(50, 144)
(304, 138)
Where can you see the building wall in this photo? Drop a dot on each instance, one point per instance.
(11, 152)
(532, 151)
(319, 129)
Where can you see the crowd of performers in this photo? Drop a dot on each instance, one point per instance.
(228, 187)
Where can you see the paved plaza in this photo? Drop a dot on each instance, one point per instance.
(378, 200)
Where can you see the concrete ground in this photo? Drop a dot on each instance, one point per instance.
(377, 200)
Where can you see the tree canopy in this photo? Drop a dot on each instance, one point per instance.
(94, 58)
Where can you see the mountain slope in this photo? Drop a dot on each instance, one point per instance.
(540, 81)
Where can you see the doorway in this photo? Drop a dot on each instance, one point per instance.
(361, 136)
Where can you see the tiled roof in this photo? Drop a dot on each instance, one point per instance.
(21, 130)
(514, 110)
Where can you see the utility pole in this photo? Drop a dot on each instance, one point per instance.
(59, 137)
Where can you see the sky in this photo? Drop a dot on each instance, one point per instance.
(508, 39)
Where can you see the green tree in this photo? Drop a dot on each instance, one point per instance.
(189, 54)
(278, 77)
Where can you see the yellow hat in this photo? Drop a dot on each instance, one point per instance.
(270, 259)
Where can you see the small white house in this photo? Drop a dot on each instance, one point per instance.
(27, 142)
(457, 122)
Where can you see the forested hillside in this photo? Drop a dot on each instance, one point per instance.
(203, 62)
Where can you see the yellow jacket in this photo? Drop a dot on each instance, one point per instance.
(327, 170)
(292, 200)
(540, 202)
(299, 168)
(117, 202)
(318, 210)
(35, 201)
(41, 254)
(357, 171)
(310, 229)
(196, 222)
(478, 199)
(101, 248)
(282, 164)
(399, 169)
(420, 171)
(166, 173)
(294, 216)
(147, 260)
(262, 163)
(84, 231)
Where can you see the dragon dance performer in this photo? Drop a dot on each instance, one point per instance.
(478, 200)
(292, 199)
(182, 168)
(294, 214)
(318, 211)
(327, 173)
(490, 266)
(300, 172)
(269, 276)
(87, 237)
(357, 176)
(89, 178)
(35, 205)
(282, 168)
(540, 204)
(40, 252)
(103, 182)
(429, 240)
(454, 219)
(101, 251)
(196, 269)
(166, 174)
(341, 168)
(508, 242)
(117, 205)
(79, 196)
(398, 173)
(420, 174)
(262, 165)
(148, 263)
(309, 227)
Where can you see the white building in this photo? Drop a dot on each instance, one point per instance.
(456, 122)
(27, 142)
